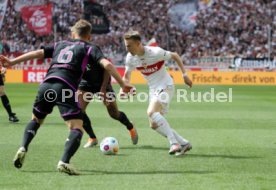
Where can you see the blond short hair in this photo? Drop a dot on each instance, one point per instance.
(132, 35)
(82, 28)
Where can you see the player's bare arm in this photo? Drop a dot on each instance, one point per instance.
(106, 77)
(108, 66)
(127, 76)
(180, 64)
(39, 54)
(131, 90)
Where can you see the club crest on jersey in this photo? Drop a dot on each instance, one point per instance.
(144, 65)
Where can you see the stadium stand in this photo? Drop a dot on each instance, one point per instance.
(226, 28)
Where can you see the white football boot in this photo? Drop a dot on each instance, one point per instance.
(67, 168)
(184, 148)
(19, 157)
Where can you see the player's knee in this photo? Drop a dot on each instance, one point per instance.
(150, 113)
(153, 115)
(153, 125)
(39, 121)
(75, 124)
(78, 127)
(36, 119)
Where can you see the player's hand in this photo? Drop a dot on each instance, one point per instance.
(4, 61)
(188, 81)
(129, 89)
(126, 91)
(123, 95)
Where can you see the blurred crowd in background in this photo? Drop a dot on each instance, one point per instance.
(226, 28)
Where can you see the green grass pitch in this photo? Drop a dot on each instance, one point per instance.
(234, 146)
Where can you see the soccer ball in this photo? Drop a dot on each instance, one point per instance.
(109, 146)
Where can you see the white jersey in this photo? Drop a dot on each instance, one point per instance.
(152, 66)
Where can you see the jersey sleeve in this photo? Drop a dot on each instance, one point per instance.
(48, 51)
(96, 54)
(163, 54)
(128, 64)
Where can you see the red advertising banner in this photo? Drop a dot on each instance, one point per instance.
(37, 76)
(38, 18)
(34, 76)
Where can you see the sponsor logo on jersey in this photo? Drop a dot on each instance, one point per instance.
(150, 69)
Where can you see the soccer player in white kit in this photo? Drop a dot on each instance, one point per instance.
(150, 62)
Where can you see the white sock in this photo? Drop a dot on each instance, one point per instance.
(160, 131)
(179, 138)
(163, 127)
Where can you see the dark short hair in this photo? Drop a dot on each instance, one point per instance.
(82, 28)
(132, 35)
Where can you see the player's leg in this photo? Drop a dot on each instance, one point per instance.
(73, 141)
(118, 115)
(161, 125)
(160, 99)
(164, 98)
(72, 115)
(185, 144)
(154, 126)
(41, 109)
(179, 138)
(71, 146)
(30, 131)
(87, 125)
(6, 102)
(29, 134)
(115, 113)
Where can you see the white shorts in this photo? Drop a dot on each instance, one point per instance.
(163, 96)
